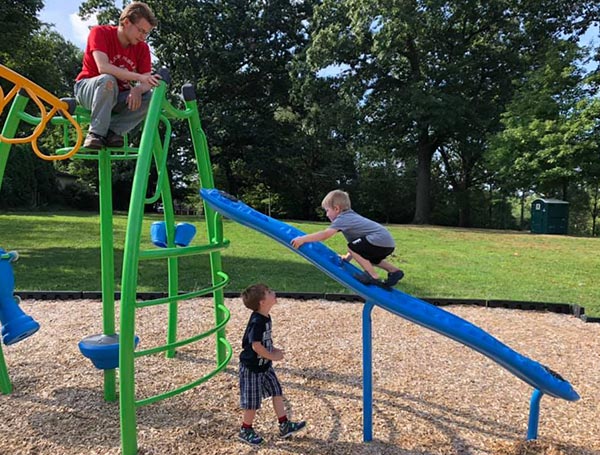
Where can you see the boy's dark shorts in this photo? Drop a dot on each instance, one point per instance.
(374, 254)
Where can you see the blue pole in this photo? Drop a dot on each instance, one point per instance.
(367, 373)
(534, 414)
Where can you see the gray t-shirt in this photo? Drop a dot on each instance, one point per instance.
(354, 226)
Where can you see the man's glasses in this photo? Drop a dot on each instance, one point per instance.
(141, 30)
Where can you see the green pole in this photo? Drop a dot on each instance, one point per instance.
(8, 131)
(10, 128)
(214, 230)
(107, 262)
(5, 385)
(172, 262)
(130, 274)
(219, 299)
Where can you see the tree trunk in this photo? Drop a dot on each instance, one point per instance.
(464, 208)
(565, 187)
(595, 209)
(423, 205)
(522, 221)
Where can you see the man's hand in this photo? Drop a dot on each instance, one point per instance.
(134, 100)
(150, 79)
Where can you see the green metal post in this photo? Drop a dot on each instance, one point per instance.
(172, 262)
(219, 298)
(8, 131)
(5, 385)
(107, 262)
(130, 274)
(10, 128)
(214, 231)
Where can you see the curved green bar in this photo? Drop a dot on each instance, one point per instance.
(152, 149)
(193, 384)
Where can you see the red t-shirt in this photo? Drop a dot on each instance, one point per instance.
(135, 58)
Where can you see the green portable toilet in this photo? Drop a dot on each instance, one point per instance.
(549, 216)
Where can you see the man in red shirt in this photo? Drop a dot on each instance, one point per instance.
(116, 78)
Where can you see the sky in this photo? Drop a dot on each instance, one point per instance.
(64, 15)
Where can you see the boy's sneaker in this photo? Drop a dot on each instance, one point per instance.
(249, 436)
(394, 277)
(367, 279)
(287, 428)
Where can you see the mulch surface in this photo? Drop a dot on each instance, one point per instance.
(431, 395)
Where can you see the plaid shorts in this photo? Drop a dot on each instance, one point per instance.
(256, 386)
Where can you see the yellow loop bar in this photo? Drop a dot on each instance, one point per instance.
(37, 93)
(4, 101)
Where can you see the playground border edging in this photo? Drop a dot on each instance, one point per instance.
(561, 308)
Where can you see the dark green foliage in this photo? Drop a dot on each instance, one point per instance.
(18, 22)
(28, 181)
(236, 55)
(435, 76)
(45, 58)
(434, 111)
(79, 196)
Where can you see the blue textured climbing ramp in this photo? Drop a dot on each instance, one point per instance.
(395, 301)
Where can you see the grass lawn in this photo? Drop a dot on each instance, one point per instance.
(60, 251)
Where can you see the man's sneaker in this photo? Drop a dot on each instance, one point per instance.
(394, 277)
(93, 141)
(114, 140)
(288, 428)
(249, 436)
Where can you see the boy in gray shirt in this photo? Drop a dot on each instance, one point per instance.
(369, 243)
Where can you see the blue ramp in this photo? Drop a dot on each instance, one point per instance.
(415, 310)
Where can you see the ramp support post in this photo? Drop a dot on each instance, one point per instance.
(534, 414)
(367, 339)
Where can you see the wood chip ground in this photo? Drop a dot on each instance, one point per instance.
(431, 395)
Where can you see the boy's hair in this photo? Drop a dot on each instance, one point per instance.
(252, 295)
(336, 198)
(136, 11)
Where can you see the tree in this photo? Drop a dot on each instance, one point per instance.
(236, 54)
(551, 135)
(18, 22)
(433, 73)
(321, 146)
(52, 62)
(43, 56)
(584, 134)
(533, 151)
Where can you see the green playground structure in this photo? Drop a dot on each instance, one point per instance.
(111, 349)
